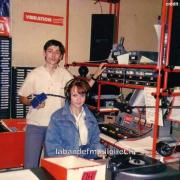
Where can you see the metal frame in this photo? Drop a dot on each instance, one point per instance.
(166, 19)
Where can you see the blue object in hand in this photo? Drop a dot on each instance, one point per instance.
(40, 98)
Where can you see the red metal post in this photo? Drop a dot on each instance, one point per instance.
(155, 129)
(67, 33)
(99, 97)
(169, 23)
(135, 66)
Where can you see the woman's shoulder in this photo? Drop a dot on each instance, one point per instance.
(86, 109)
(58, 113)
(88, 113)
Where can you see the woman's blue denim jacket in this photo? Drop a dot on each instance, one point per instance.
(62, 137)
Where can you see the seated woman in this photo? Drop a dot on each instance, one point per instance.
(73, 129)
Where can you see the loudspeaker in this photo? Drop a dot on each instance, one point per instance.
(175, 36)
(174, 78)
(102, 36)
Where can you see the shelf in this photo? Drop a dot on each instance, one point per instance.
(135, 66)
(176, 69)
(103, 109)
(106, 109)
(170, 94)
(133, 86)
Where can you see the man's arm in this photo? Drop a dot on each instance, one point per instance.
(27, 102)
(24, 100)
(100, 69)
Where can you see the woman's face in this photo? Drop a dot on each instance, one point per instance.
(77, 100)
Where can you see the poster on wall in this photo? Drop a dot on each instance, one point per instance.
(43, 18)
(4, 18)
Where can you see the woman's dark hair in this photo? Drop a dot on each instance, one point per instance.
(54, 42)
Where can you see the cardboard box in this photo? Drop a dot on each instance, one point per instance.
(73, 167)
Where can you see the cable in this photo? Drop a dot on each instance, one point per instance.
(97, 1)
(100, 7)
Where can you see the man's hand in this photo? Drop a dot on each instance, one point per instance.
(42, 105)
(100, 69)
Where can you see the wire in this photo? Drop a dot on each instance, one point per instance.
(100, 7)
(98, 61)
(97, 1)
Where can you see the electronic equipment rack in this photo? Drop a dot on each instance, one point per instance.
(163, 67)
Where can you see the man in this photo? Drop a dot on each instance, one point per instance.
(51, 80)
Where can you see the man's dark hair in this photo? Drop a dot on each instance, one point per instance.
(54, 42)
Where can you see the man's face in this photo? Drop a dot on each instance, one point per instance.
(52, 55)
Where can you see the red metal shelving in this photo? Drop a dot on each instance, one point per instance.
(166, 21)
(134, 66)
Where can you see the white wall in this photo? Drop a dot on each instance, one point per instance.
(136, 25)
(28, 38)
(137, 18)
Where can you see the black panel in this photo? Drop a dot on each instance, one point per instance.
(5, 74)
(18, 76)
(174, 78)
(175, 36)
(102, 36)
